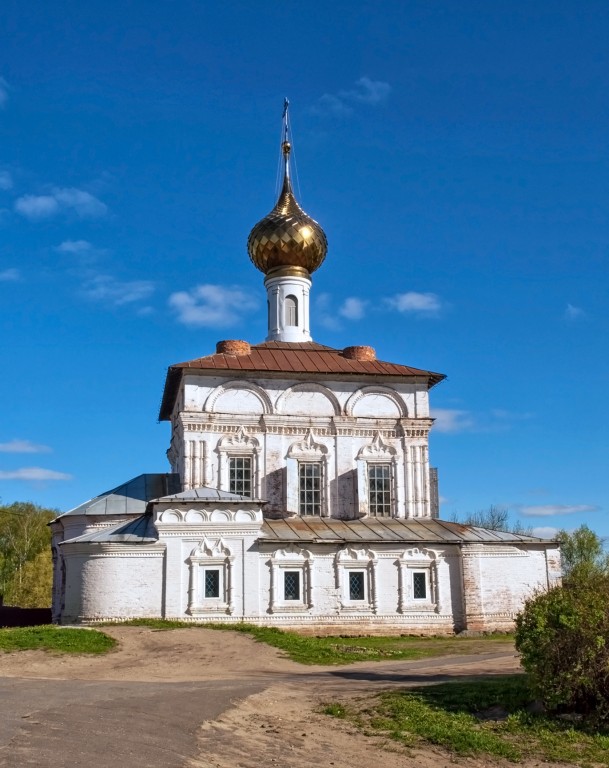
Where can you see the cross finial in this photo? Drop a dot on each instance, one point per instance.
(285, 144)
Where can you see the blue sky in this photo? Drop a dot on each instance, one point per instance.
(456, 155)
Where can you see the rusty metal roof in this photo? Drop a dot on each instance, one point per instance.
(283, 357)
(319, 530)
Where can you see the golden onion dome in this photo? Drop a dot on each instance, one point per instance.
(287, 237)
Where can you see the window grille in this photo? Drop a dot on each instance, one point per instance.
(379, 490)
(291, 585)
(419, 586)
(212, 583)
(309, 479)
(356, 585)
(240, 475)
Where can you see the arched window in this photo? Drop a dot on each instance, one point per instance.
(291, 310)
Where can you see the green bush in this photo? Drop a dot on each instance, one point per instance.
(563, 638)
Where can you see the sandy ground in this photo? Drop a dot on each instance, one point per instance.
(280, 723)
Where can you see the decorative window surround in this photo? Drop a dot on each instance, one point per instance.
(291, 558)
(238, 443)
(348, 560)
(204, 557)
(377, 452)
(309, 451)
(420, 562)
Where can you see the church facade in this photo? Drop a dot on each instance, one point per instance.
(300, 493)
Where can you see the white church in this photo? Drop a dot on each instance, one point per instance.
(300, 493)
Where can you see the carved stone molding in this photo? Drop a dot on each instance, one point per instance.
(240, 441)
(377, 449)
(307, 448)
(210, 515)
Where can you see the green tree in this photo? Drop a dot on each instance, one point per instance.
(25, 540)
(582, 554)
(563, 634)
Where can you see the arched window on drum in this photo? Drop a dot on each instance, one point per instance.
(291, 310)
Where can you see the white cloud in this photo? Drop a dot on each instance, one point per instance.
(105, 288)
(452, 420)
(423, 304)
(215, 306)
(84, 204)
(367, 91)
(547, 510)
(74, 246)
(364, 91)
(544, 532)
(82, 252)
(573, 313)
(353, 308)
(502, 415)
(332, 105)
(60, 200)
(37, 206)
(34, 473)
(325, 312)
(10, 275)
(23, 446)
(3, 91)
(6, 180)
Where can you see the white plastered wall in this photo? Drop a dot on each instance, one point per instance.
(343, 417)
(112, 581)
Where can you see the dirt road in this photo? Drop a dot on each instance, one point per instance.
(196, 697)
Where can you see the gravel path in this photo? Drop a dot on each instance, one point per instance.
(197, 697)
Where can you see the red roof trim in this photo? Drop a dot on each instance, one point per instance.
(282, 357)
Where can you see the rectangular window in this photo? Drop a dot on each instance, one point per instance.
(212, 583)
(240, 475)
(419, 586)
(291, 585)
(356, 586)
(379, 490)
(309, 485)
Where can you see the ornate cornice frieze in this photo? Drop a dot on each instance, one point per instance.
(323, 431)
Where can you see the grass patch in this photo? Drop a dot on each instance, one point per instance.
(452, 716)
(335, 710)
(51, 638)
(334, 650)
